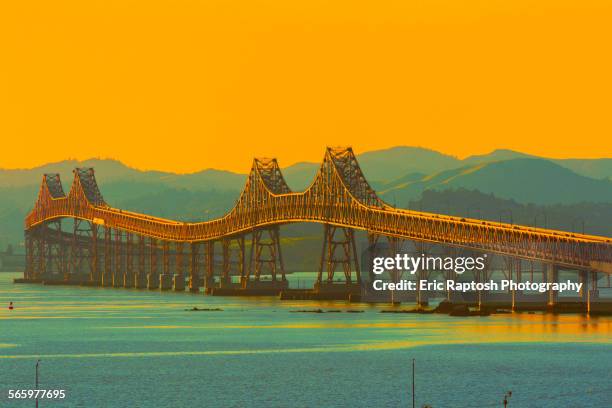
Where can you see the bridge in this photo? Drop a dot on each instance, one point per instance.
(108, 246)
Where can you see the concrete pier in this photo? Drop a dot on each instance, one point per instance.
(422, 298)
(226, 282)
(194, 285)
(165, 281)
(107, 280)
(117, 280)
(128, 280)
(552, 275)
(152, 281)
(140, 281)
(178, 283)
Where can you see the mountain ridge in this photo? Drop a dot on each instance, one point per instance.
(381, 165)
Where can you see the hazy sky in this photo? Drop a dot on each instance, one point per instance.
(183, 85)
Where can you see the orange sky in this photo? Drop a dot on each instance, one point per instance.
(184, 85)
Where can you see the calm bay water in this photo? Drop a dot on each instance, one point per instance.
(132, 348)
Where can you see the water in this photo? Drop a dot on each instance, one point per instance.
(131, 348)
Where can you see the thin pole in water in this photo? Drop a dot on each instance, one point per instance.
(36, 388)
(413, 399)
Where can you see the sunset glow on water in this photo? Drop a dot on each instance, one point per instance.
(93, 341)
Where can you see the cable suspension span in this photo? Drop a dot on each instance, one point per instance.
(339, 196)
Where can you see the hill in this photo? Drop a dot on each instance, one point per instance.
(525, 180)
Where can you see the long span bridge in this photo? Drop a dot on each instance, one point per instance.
(108, 246)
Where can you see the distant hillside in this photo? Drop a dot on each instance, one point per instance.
(300, 175)
(379, 166)
(524, 180)
(596, 168)
(594, 218)
(178, 204)
(110, 171)
(385, 165)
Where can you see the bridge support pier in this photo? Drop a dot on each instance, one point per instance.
(153, 275)
(152, 281)
(165, 282)
(53, 251)
(518, 276)
(165, 279)
(512, 273)
(209, 281)
(338, 250)
(178, 282)
(28, 272)
(589, 288)
(118, 279)
(265, 256)
(117, 269)
(128, 275)
(480, 276)
(107, 274)
(422, 296)
(128, 280)
(194, 269)
(41, 264)
(140, 281)
(552, 275)
(74, 263)
(107, 279)
(94, 264)
(594, 290)
(226, 276)
(593, 294)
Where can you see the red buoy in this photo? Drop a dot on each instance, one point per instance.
(10, 305)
